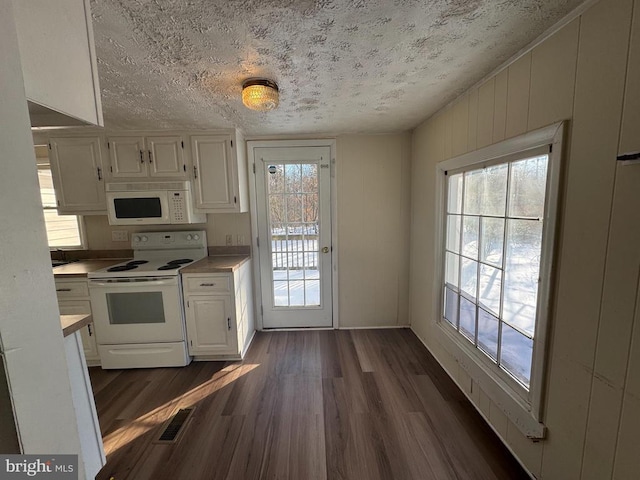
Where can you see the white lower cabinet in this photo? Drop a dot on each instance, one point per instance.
(73, 299)
(219, 313)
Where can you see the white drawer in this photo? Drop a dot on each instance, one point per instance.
(208, 284)
(71, 289)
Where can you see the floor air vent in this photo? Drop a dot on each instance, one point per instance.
(175, 426)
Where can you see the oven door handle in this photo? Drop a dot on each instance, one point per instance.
(111, 282)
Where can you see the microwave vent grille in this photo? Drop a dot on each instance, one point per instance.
(146, 186)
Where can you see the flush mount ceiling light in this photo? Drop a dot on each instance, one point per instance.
(260, 94)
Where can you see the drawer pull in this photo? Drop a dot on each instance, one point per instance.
(207, 284)
(63, 289)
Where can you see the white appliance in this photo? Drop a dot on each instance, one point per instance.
(151, 203)
(137, 305)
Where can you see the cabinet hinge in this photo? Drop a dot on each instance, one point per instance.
(182, 143)
(49, 146)
(551, 148)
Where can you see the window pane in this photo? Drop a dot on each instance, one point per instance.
(469, 277)
(62, 230)
(528, 186)
(473, 192)
(488, 333)
(494, 191)
(516, 352)
(468, 319)
(522, 269)
(470, 228)
(492, 240)
(47, 193)
(490, 285)
(452, 270)
(453, 233)
(454, 203)
(451, 306)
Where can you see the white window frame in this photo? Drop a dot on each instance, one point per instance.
(522, 407)
(79, 219)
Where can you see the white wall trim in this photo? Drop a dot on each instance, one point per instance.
(325, 142)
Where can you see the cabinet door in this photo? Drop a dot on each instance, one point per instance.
(166, 158)
(128, 157)
(79, 307)
(76, 166)
(210, 328)
(214, 174)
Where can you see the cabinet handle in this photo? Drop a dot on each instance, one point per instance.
(141, 157)
(89, 328)
(195, 172)
(99, 173)
(63, 289)
(150, 157)
(228, 324)
(207, 284)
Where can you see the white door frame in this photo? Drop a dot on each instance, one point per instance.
(331, 143)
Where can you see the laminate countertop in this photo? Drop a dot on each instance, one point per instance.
(72, 323)
(217, 264)
(83, 267)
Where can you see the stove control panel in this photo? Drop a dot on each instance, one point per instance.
(169, 240)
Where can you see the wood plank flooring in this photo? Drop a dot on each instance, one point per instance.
(359, 404)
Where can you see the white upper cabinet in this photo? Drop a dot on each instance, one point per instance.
(219, 174)
(78, 177)
(59, 62)
(147, 157)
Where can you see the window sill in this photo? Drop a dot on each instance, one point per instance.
(497, 389)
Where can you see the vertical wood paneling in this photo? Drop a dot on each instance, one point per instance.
(590, 174)
(500, 106)
(447, 118)
(518, 96)
(528, 451)
(460, 126)
(473, 119)
(553, 71)
(630, 134)
(627, 461)
(498, 419)
(486, 103)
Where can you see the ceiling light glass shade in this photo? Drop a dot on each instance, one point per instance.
(260, 94)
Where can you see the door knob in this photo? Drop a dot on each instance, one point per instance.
(325, 249)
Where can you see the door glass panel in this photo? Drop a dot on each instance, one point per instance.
(294, 213)
(134, 308)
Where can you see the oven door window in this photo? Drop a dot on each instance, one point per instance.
(139, 207)
(135, 308)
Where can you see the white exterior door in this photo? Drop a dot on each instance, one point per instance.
(294, 229)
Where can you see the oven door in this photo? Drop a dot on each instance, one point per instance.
(137, 310)
(138, 208)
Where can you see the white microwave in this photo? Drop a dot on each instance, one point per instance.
(151, 203)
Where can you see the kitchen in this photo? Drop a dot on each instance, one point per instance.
(381, 175)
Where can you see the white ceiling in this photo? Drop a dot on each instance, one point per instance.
(342, 66)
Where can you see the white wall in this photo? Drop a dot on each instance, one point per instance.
(592, 406)
(373, 202)
(30, 332)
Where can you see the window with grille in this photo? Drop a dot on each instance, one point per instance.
(63, 231)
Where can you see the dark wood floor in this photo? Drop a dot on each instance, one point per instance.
(360, 404)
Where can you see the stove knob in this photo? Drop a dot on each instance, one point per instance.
(136, 238)
(144, 238)
(189, 237)
(196, 237)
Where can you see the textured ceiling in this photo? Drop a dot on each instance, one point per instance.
(342, 66)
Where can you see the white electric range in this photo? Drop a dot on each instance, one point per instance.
(137, 305)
